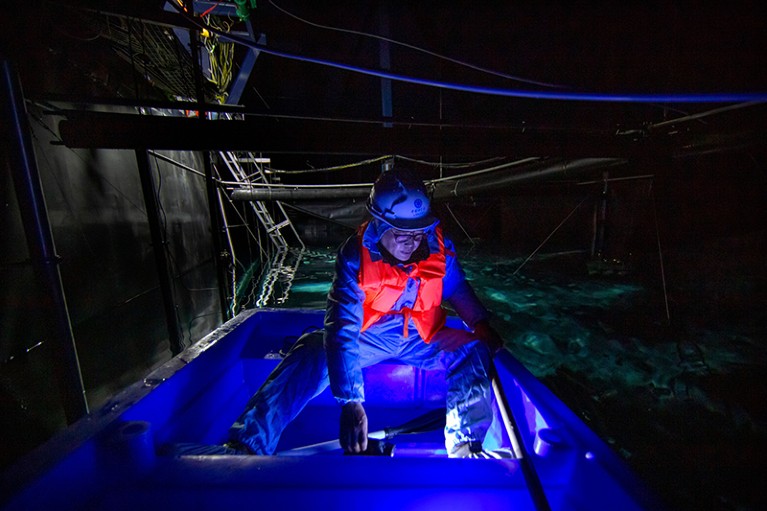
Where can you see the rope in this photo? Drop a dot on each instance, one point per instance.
(549, 236)
(459, 224)
(660, 253)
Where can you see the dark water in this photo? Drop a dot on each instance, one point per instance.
(683, 405)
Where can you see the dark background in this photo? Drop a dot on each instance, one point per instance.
(691, 192)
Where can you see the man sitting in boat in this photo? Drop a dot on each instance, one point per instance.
(385, 303)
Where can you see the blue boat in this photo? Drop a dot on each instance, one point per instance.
(125, 455)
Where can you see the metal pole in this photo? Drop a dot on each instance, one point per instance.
(598, 249)
(175, 335)
(42, 250)
(220, 256)
(537, 493)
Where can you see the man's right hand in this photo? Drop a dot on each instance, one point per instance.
(354, 428)
(488, 335)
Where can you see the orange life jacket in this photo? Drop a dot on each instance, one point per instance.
(383, 284)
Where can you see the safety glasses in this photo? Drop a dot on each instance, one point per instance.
(404, 237)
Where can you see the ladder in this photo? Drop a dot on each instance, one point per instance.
(246, 169)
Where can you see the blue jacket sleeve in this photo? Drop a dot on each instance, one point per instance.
(343, 322)
(459, 293)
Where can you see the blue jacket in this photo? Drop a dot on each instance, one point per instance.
(343, 317)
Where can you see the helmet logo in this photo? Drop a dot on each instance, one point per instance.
(418, 203)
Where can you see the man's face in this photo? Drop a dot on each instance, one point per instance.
(402, 244)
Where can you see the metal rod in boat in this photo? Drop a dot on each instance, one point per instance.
(537, 494)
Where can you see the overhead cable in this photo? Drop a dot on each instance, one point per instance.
(416, 48)
(368, 185)
(272, 170)
(362, 163)
(717, 97)
(701, 115)
(450, 165)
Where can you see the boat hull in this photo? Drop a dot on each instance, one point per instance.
(113, 458)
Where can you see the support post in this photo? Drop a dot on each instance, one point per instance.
(175, 335)
(219, 255)
(42, 250)
(600, 221)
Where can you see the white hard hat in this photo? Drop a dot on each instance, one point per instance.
(401, 202)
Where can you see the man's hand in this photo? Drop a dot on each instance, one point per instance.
(354, 428)
(489, 337)
(450, 339)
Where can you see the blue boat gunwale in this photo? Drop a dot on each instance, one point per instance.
(570, 428)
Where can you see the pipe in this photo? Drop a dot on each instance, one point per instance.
(543, 170)
(42, 249)
(175, 335)
(443, 189)
(305, 193)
